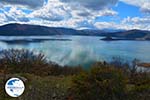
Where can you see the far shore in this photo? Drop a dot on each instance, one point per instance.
(31, 40)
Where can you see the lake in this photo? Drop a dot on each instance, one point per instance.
(82, 50)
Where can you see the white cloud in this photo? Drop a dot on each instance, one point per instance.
(15, 14)
(52, 11)
(146, 8)
(56, 13)
(137, 20)
(143, 4)
(107, 25)
(136, 2)
(77, 14)
(127, 24)
(2, 18)
(70, 23)
(107, 12)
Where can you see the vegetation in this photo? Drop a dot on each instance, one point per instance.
(100, 83)
(47, 80)
(24, 61)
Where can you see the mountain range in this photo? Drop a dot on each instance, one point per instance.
(16, 29)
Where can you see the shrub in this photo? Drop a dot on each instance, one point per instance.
(46, 88)
(41, 88)
(18, 61)
(119, 62)
(25, 61)
(100, 83)
(140, 86)
(56, 70)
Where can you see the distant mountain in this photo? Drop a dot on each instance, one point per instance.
(131, 35)
(29, 30)
(36, 30)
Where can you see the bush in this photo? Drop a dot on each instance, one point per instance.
(100, 83)
(41, 88)
(21, 61)
(56, 70)
(25, 61)
(140, 86)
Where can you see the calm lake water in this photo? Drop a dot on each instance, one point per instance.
(83, 50)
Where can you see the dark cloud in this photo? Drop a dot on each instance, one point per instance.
(145, 10)
(84, 14)
(92, 4)
(52, 18)
(29, 3)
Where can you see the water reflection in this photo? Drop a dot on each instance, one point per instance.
(83, 50)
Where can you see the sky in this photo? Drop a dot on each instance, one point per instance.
(78, 14)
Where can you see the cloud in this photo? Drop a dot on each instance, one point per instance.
(127, 24)
(146, 8)
(91, 4)
(79, 14)
(142, 23)
(137, 20)
(107, 12)
(52, 11)
(13, 15)
(2, 18)
(106, 25)
(29, 3)
(57, 12)
(143, 4)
